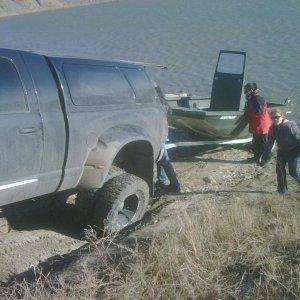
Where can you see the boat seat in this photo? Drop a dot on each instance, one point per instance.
(184, 100)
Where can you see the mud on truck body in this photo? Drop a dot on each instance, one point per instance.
(70, 124)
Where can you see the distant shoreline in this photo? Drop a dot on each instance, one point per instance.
(12, 8)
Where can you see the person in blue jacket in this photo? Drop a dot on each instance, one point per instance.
(287, 136)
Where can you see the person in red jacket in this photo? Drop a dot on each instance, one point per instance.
(259, 119)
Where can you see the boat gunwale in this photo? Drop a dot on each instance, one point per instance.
(206, 112)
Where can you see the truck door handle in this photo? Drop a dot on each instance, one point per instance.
(27, 130)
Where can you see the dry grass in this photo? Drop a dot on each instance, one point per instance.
(222, 250)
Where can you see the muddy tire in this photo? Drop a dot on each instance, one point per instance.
(122, 201)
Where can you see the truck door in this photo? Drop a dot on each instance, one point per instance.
(21, 132)
(228, 81)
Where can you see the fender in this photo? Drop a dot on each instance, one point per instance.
(101, 157)
(121, 134)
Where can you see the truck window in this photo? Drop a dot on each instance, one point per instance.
(12, 96)
(92, 85)
(141, 84)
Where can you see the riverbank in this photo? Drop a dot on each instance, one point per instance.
(228, 234)
(12, 7)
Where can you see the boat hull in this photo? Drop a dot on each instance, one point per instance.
(213, 125)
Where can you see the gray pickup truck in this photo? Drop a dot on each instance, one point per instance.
(78, 124)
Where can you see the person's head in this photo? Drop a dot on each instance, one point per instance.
(249, 88)
(277, 116)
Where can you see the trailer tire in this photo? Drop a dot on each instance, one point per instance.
(122, 201)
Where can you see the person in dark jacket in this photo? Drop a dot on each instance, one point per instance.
(259, 119)
(287, 136)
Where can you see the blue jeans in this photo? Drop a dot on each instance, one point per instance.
(292, 159)
(166, 171)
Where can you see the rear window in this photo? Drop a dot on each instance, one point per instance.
(12, 96)
(141, 84)
(92, 85)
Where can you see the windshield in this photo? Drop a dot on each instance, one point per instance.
(231, 63)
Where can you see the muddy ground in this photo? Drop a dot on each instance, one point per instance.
(33, 235)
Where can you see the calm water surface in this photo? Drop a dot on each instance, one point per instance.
(183, 34)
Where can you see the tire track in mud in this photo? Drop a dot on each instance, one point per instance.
(20, 251)
(30, 234)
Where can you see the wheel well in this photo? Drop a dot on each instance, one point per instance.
(137, 158)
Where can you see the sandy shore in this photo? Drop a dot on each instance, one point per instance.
(10, 7)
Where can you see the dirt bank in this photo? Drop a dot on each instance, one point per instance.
(15, 7)
(218, 175)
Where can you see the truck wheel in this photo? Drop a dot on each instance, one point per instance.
(122, 201)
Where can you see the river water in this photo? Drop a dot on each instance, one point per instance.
(185, 35)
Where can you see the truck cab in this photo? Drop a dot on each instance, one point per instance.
(65, 123)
